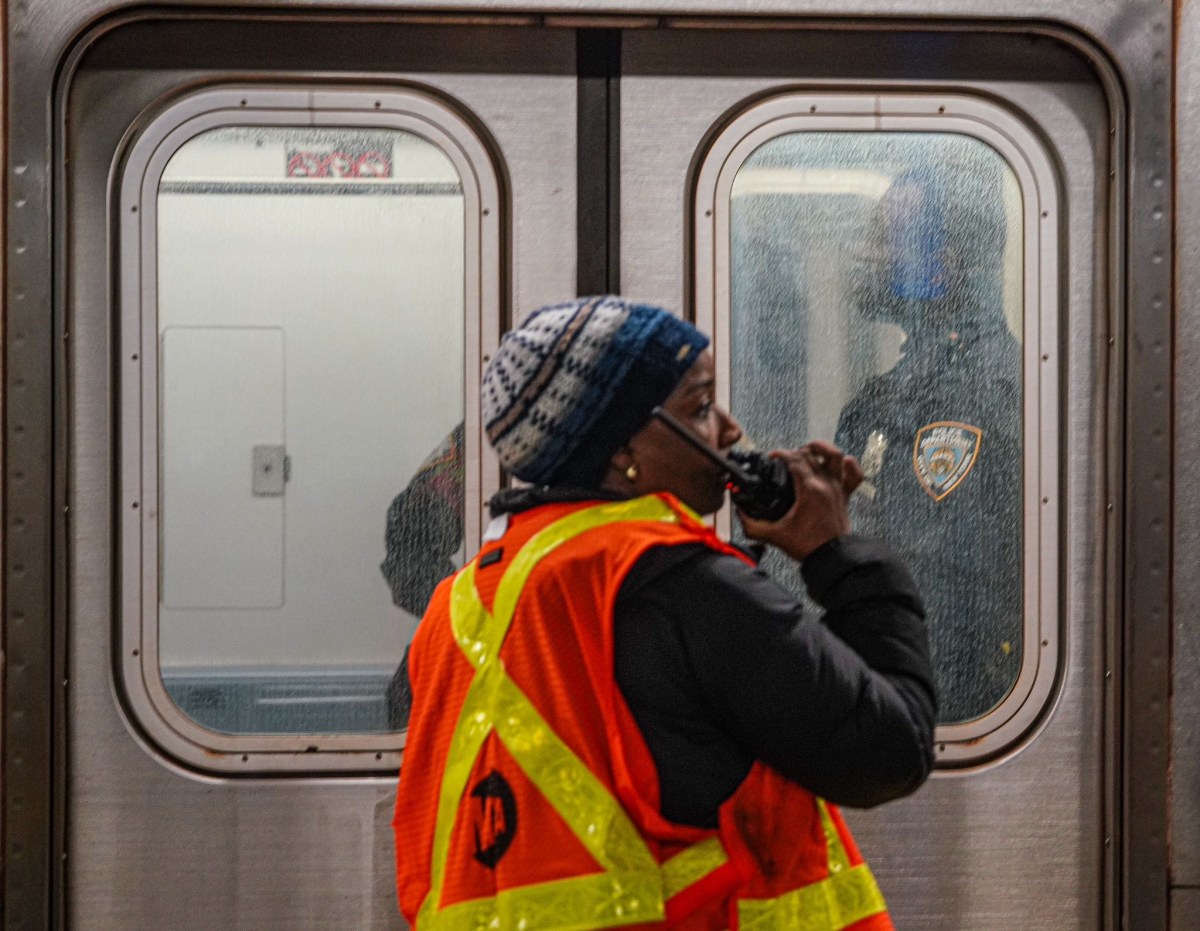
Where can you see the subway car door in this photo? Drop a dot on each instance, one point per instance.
(288, 247)
(897, 241)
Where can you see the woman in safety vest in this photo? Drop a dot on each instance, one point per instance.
(617, 720)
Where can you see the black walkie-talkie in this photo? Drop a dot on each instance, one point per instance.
(760, 486)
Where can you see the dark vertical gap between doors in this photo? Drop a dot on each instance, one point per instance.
(598, 161)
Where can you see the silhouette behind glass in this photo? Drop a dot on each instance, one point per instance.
(424, 532)
(939, 435)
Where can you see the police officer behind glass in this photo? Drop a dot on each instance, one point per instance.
(939, 435)
(617, 719)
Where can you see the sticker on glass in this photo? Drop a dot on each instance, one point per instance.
(943, 454)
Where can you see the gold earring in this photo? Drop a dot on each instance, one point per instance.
(631, 473)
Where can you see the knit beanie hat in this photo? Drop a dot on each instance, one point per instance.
(571, 384)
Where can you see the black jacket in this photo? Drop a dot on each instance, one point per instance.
(720, 669)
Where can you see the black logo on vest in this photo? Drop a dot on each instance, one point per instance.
(496, 823)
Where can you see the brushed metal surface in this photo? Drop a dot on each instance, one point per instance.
(1185, 909)
(152, 846)
(1185, 725)
(1146, 478)
(729, 69)
(1135, 32)
(1017, 844)
(51, 23)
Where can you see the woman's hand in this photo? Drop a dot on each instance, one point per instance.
(823, 478)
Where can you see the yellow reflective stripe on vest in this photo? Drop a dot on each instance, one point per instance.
(602, 900)
(839, 859)
(850, 894)
(632, 887)
(693, 864)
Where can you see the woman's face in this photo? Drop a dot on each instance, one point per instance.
(665, 461)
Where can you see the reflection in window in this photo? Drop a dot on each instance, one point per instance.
(876, 300)
(311, 340)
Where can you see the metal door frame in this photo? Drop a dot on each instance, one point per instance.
(1130, 43)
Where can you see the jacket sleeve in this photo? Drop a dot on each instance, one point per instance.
(872, 605)
(846, 706)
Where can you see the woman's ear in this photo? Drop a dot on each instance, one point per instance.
(621, 460)
(622, 470)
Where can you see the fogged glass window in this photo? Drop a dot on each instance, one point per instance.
(311, 341)
(876, 301)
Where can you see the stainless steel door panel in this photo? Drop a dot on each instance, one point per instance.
(153, 846)
(1185, 908)
(1185, 736)
(1017, 843)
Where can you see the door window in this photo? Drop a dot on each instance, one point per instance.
(309, 296)
(875, 289)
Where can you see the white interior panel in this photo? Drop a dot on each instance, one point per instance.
(222, 395)
(374, 380)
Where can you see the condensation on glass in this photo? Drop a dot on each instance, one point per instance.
(876, 299)
(308, 279)
(310, 325)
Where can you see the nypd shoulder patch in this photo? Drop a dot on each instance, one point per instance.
(944, 453)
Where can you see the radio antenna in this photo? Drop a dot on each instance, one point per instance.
(739, 475)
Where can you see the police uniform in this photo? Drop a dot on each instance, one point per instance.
(939, 438)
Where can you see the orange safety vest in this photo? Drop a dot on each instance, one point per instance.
(528, 798)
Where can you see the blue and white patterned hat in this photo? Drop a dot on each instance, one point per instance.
(575, 381)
